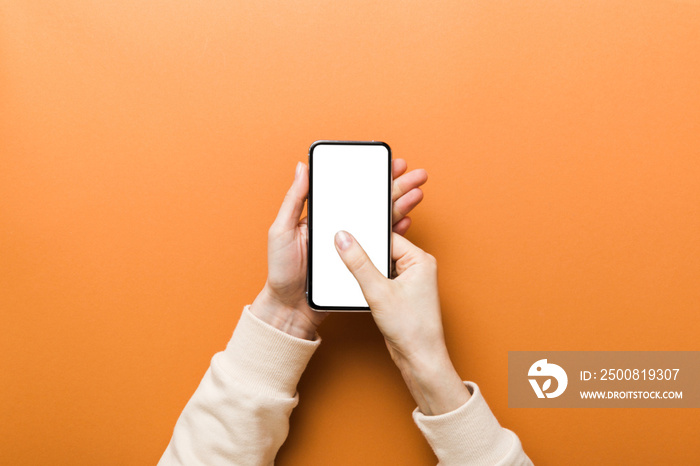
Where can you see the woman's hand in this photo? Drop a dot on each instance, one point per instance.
(407, 312)
(282, 302)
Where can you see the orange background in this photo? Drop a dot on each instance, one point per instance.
(146, 146)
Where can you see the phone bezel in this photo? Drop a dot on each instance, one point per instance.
(309, 284)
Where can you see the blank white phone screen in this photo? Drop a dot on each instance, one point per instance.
(350, 191)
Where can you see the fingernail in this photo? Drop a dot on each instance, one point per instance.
(298, 172)
(343, 240)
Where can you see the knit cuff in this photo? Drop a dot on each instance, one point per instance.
(470, 434)
(269, 360)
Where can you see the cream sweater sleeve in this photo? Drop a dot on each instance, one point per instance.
(471, 435)
(239, 414)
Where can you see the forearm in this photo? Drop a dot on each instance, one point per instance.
(239, 414)
(457, 422)
(433, 382)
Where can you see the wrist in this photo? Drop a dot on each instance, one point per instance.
(434, 383)
(282, 316)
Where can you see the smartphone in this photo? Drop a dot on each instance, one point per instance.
(349, 189)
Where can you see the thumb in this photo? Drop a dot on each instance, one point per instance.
(356, 260)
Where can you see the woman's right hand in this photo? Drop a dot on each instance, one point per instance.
(407, 312)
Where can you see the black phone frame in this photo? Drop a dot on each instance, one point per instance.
(309, 284)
